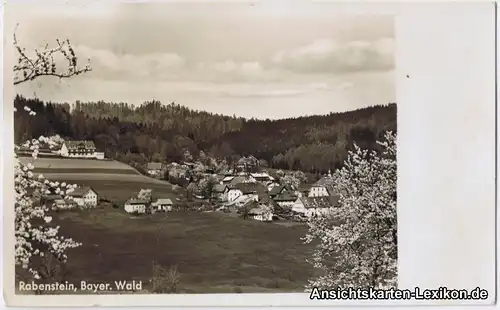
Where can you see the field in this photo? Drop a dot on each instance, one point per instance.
(214, 253)
(74, 163)
(112, 180)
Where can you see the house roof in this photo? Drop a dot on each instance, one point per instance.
(248, 188)
(81, 191)
(219, 188)
(320, 202)
(135, 201)
(163, 201)
(276, 190)
(323, 181)
(239, 179)
(285, 197)
(155, 166)
(256, 211)
(228, 178)
(304, 187)
(82, 144)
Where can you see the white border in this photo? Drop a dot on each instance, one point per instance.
(446, 212)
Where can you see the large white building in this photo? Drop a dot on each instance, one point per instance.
(84, 196)
(80, 149)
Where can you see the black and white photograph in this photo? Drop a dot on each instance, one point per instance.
(195, 148)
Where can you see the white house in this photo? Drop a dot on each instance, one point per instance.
(310, 205)
(262, 177)
(134, 205)
(78, 149)
(162, 205)
(154, 169)
(84, 196)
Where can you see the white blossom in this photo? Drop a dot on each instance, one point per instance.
(33, 233)
(357, 241)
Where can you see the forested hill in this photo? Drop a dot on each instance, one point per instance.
(154, 131)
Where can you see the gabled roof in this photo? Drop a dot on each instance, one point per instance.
(219, 188)
(136, 201)
(239, 179)
(323, 181)
(304, 187)
(249, 188)
(257, 211)
(163, 201)
(228, 178)
(155, 166)
(276, 190)
(82, 144)
(81, 191)
(320, 202)
(285, 197)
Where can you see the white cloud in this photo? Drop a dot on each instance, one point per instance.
(108, 64)
(328, 56)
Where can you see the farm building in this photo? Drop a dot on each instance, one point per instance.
(310, 205)
(78, 149)
(134, 205)
(62, 204)
(285, 199)
(219, 192)
(154, 169)
(162, 205)
(247, 190)
(262, 177)
(84, 196)
(261, 213)
(280, 190)
(323, 187)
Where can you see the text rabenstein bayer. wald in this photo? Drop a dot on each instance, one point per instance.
(442, 293)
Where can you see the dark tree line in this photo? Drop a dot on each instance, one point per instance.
(156, 132)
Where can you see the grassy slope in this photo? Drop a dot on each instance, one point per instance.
(213, 251)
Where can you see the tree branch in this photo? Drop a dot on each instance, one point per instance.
(43, 64)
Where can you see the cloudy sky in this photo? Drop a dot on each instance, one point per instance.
(267, 60)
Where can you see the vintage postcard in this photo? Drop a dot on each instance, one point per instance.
(266, 153)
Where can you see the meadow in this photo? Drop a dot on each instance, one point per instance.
(214, 252)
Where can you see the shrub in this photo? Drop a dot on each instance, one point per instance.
(164, 280)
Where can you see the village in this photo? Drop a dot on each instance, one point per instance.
(243, 189)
